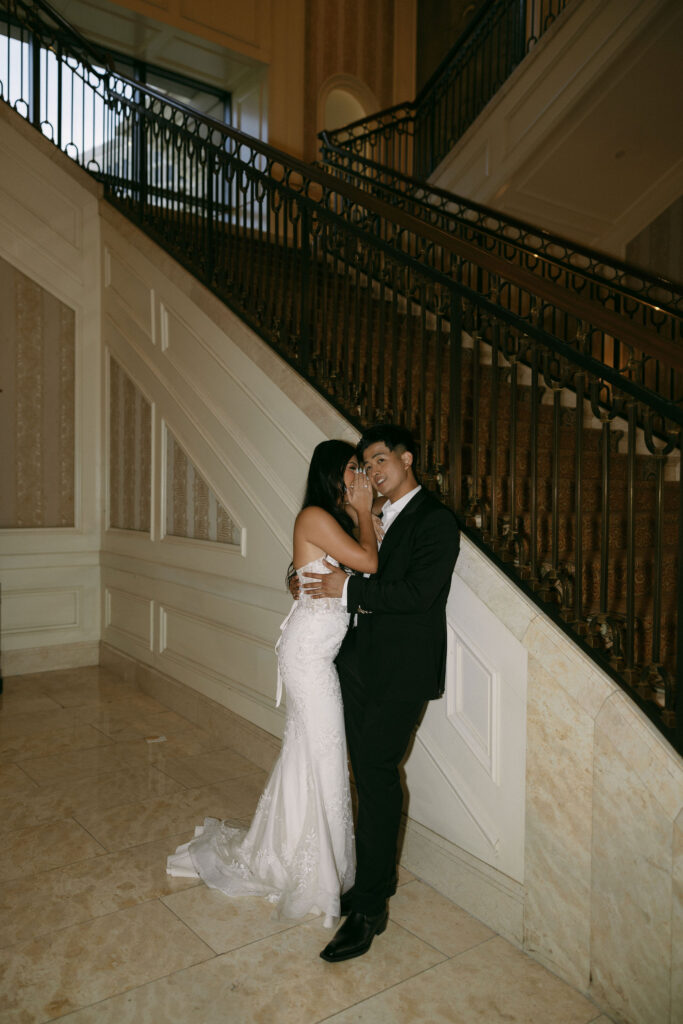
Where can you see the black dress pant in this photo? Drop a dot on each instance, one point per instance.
(378, 731)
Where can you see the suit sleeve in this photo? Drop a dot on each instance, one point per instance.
(435, 549)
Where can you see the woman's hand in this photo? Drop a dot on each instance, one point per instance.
(360, 494)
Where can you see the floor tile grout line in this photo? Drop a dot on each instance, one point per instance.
(446, 956)
(401, 981)
(244, 945)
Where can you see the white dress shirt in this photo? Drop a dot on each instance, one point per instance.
(389, 512)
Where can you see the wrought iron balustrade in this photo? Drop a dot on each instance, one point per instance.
(563, 468)
(413, 137)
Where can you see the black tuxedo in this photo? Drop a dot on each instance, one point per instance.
(390, 663)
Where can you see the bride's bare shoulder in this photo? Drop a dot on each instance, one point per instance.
(312, 516)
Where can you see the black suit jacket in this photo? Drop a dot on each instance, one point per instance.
(401, 631)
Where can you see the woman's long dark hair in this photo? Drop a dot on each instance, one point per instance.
(325, 483)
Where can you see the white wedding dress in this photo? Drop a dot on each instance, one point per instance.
(299, 850)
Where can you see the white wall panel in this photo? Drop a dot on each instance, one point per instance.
(466, 772)
(36, 609)
(231, 655)
(49, 213)
(133, 298)
(129, 615)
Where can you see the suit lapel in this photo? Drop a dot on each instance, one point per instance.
(398, 527)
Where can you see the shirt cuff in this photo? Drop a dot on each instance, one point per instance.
(343, 597)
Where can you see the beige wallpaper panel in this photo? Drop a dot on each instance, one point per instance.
(130, 453)
(37, 335)
(192, 509)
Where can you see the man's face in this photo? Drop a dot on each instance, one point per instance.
(388, 471)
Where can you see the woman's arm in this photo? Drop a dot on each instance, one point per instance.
(317, 527)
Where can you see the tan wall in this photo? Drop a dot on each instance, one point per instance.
(268, 31)
(349, 38)
(306, 43)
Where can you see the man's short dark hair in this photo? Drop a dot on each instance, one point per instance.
(393, 436)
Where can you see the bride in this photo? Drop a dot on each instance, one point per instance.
(299, 850)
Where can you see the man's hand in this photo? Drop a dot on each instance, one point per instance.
(328, 584)
(294, 586)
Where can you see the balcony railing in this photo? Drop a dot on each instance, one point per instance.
(414, 137)
(564, 467)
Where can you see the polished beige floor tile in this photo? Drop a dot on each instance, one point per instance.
(205, 769)
(75, 799)
(222, 922)
(50, 976)
(78, 692)
(23, 684)
(29, 850)
(74, 765)
(34, 723)
(92, 930)
(57, 899)
(13, 779)
(491, 984)
(73, 737)
(17, 702)
(435, 919)
(136, 823)
(405, 876)
(189, 743)
(123, 721)
(279, 980)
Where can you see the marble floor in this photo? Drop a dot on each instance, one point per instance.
(98, 783)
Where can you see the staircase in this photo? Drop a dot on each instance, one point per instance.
(543, 381)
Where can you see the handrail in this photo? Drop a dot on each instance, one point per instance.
(450, 211)
(496, 369)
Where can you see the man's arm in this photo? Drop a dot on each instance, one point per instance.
(437, 542)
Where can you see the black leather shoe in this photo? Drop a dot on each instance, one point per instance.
(355, 936)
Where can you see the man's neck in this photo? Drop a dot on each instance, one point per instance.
(409, 485)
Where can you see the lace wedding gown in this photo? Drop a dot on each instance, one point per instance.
(299, 850)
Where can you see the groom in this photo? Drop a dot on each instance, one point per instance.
(392, 660)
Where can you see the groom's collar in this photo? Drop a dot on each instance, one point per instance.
(392, 508)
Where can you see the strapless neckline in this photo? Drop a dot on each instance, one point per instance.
(316, 564)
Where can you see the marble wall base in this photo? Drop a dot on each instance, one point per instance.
(473, 885)
(47, 659)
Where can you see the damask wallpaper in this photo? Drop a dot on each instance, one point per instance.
(192, 509)
(37, 340)
(130, 453)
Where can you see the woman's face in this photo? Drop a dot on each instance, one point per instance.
(350, 472)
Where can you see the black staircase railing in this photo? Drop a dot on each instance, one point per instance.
(412, 138)
(636, 294)
(563, 466)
